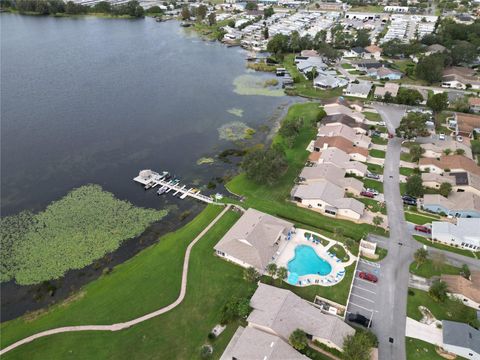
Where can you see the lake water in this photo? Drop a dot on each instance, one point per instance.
(93, 100)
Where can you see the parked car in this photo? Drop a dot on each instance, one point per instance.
(367, 194)
(371, 175)
(409, 197)
(373, 191)
(441, 136)
(359, 319)
(381, 123)
(390, 135)
(424, 229)
(367, 276)
(410, 202)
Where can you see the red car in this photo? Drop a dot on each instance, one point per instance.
(367, 194)
(366, 276)
(424, 229)
(390, 135)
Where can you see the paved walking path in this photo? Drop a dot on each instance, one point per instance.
(428, 333)
(125, 325)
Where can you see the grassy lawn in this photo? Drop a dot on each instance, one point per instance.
(381, 252)
(337, 293)
(210, 32)
(379, 140)
(436, 245)
(448, 310)
(177, 334)
(373, 205)
(373, 184)
(403, 188)
(372, 116)
(406, 171)
(428, 269)
(420, 350)
(303, 86)
(377, 153)
(347, 66)
(368, 8)
(274, 199)
(418, 219)
(406, 157)
(375, 168)
(339, 252)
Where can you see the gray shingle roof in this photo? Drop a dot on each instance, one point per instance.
(283, 312)
(252, 238)
(460, 334)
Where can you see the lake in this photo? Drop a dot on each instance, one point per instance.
(89, 100)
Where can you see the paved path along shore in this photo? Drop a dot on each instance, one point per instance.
(125, 325)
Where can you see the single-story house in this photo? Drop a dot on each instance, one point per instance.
(466, 124)
(449, 163)
(468, 291)
(464, 234)
(460, 78)
(461, 181)
(334, 108)
(325, 80)
(306, 64)
(333, 155)
(458, 204)
(474, 104)
(434, 49)
(338, 119)
(355, 152)
(252, 343)
(373, 52)
(391, 88)
(346, 132)
(357, 51)
(254, 240)
(281, 312)
(384, 73)
(328, 198)
(461, 339)
(436, 148)
(332, 173)
(360, 90)
(309, 53)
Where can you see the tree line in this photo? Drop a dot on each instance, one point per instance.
(54, 7)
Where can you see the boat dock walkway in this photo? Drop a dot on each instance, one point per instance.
(151, 179)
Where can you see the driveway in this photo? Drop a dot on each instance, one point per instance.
(428, 333)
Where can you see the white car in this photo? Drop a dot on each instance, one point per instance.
(441, 136)
(382, 123)
(459, 138)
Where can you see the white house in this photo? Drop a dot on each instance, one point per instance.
(465, 234)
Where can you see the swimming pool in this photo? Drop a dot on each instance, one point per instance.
(307, 262)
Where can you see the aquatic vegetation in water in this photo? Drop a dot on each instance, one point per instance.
(254, 85)
(235, 131)
(236, 111)
(270, 82)
(205, 161)
(70, 233)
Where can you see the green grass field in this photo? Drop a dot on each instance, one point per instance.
(145, 283)
(373, 184)
(406, 157)
(406, 171)
(377, 153)
(375, 168)
(379, 141)
(373, 116)
(436, 245)
(428, 269)
(347, 66)
(420, 350)
(373, 205)
(448, 310)
(274, 199)
(418, 219)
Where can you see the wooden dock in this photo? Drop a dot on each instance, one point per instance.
(151, 179)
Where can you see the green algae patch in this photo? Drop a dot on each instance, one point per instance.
(205, 161)
(235, 131)
(70, 233)
(253, 85)
(236, 111)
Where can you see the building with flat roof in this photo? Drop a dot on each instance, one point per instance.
(464, 234)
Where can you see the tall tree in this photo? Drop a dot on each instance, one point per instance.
(272, 269)
(212, 19)
(377, 221)
(420, 256)
(416, 152)
(438, 290)
(414, 186)
(430, 68)
(363, 38)
(412, 125)
(445, 189)
(265, 166)
(358, 346)
(201, 12)
(185, 13)
(282, 272)
(438, 103)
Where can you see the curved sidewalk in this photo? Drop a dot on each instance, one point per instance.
(125, 325)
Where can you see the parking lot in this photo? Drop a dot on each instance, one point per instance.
(364, 293)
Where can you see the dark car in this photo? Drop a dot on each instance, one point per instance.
(359, 319)
(424, 229)
(409, 200)
(367, 276)
(367, 194)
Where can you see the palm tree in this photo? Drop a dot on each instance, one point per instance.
(447, 151)
(282, 272)
(438, 290)
(272, 269)
(420, 256)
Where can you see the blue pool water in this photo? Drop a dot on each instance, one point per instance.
(306, 262)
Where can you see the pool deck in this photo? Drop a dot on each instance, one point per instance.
(287, 253)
